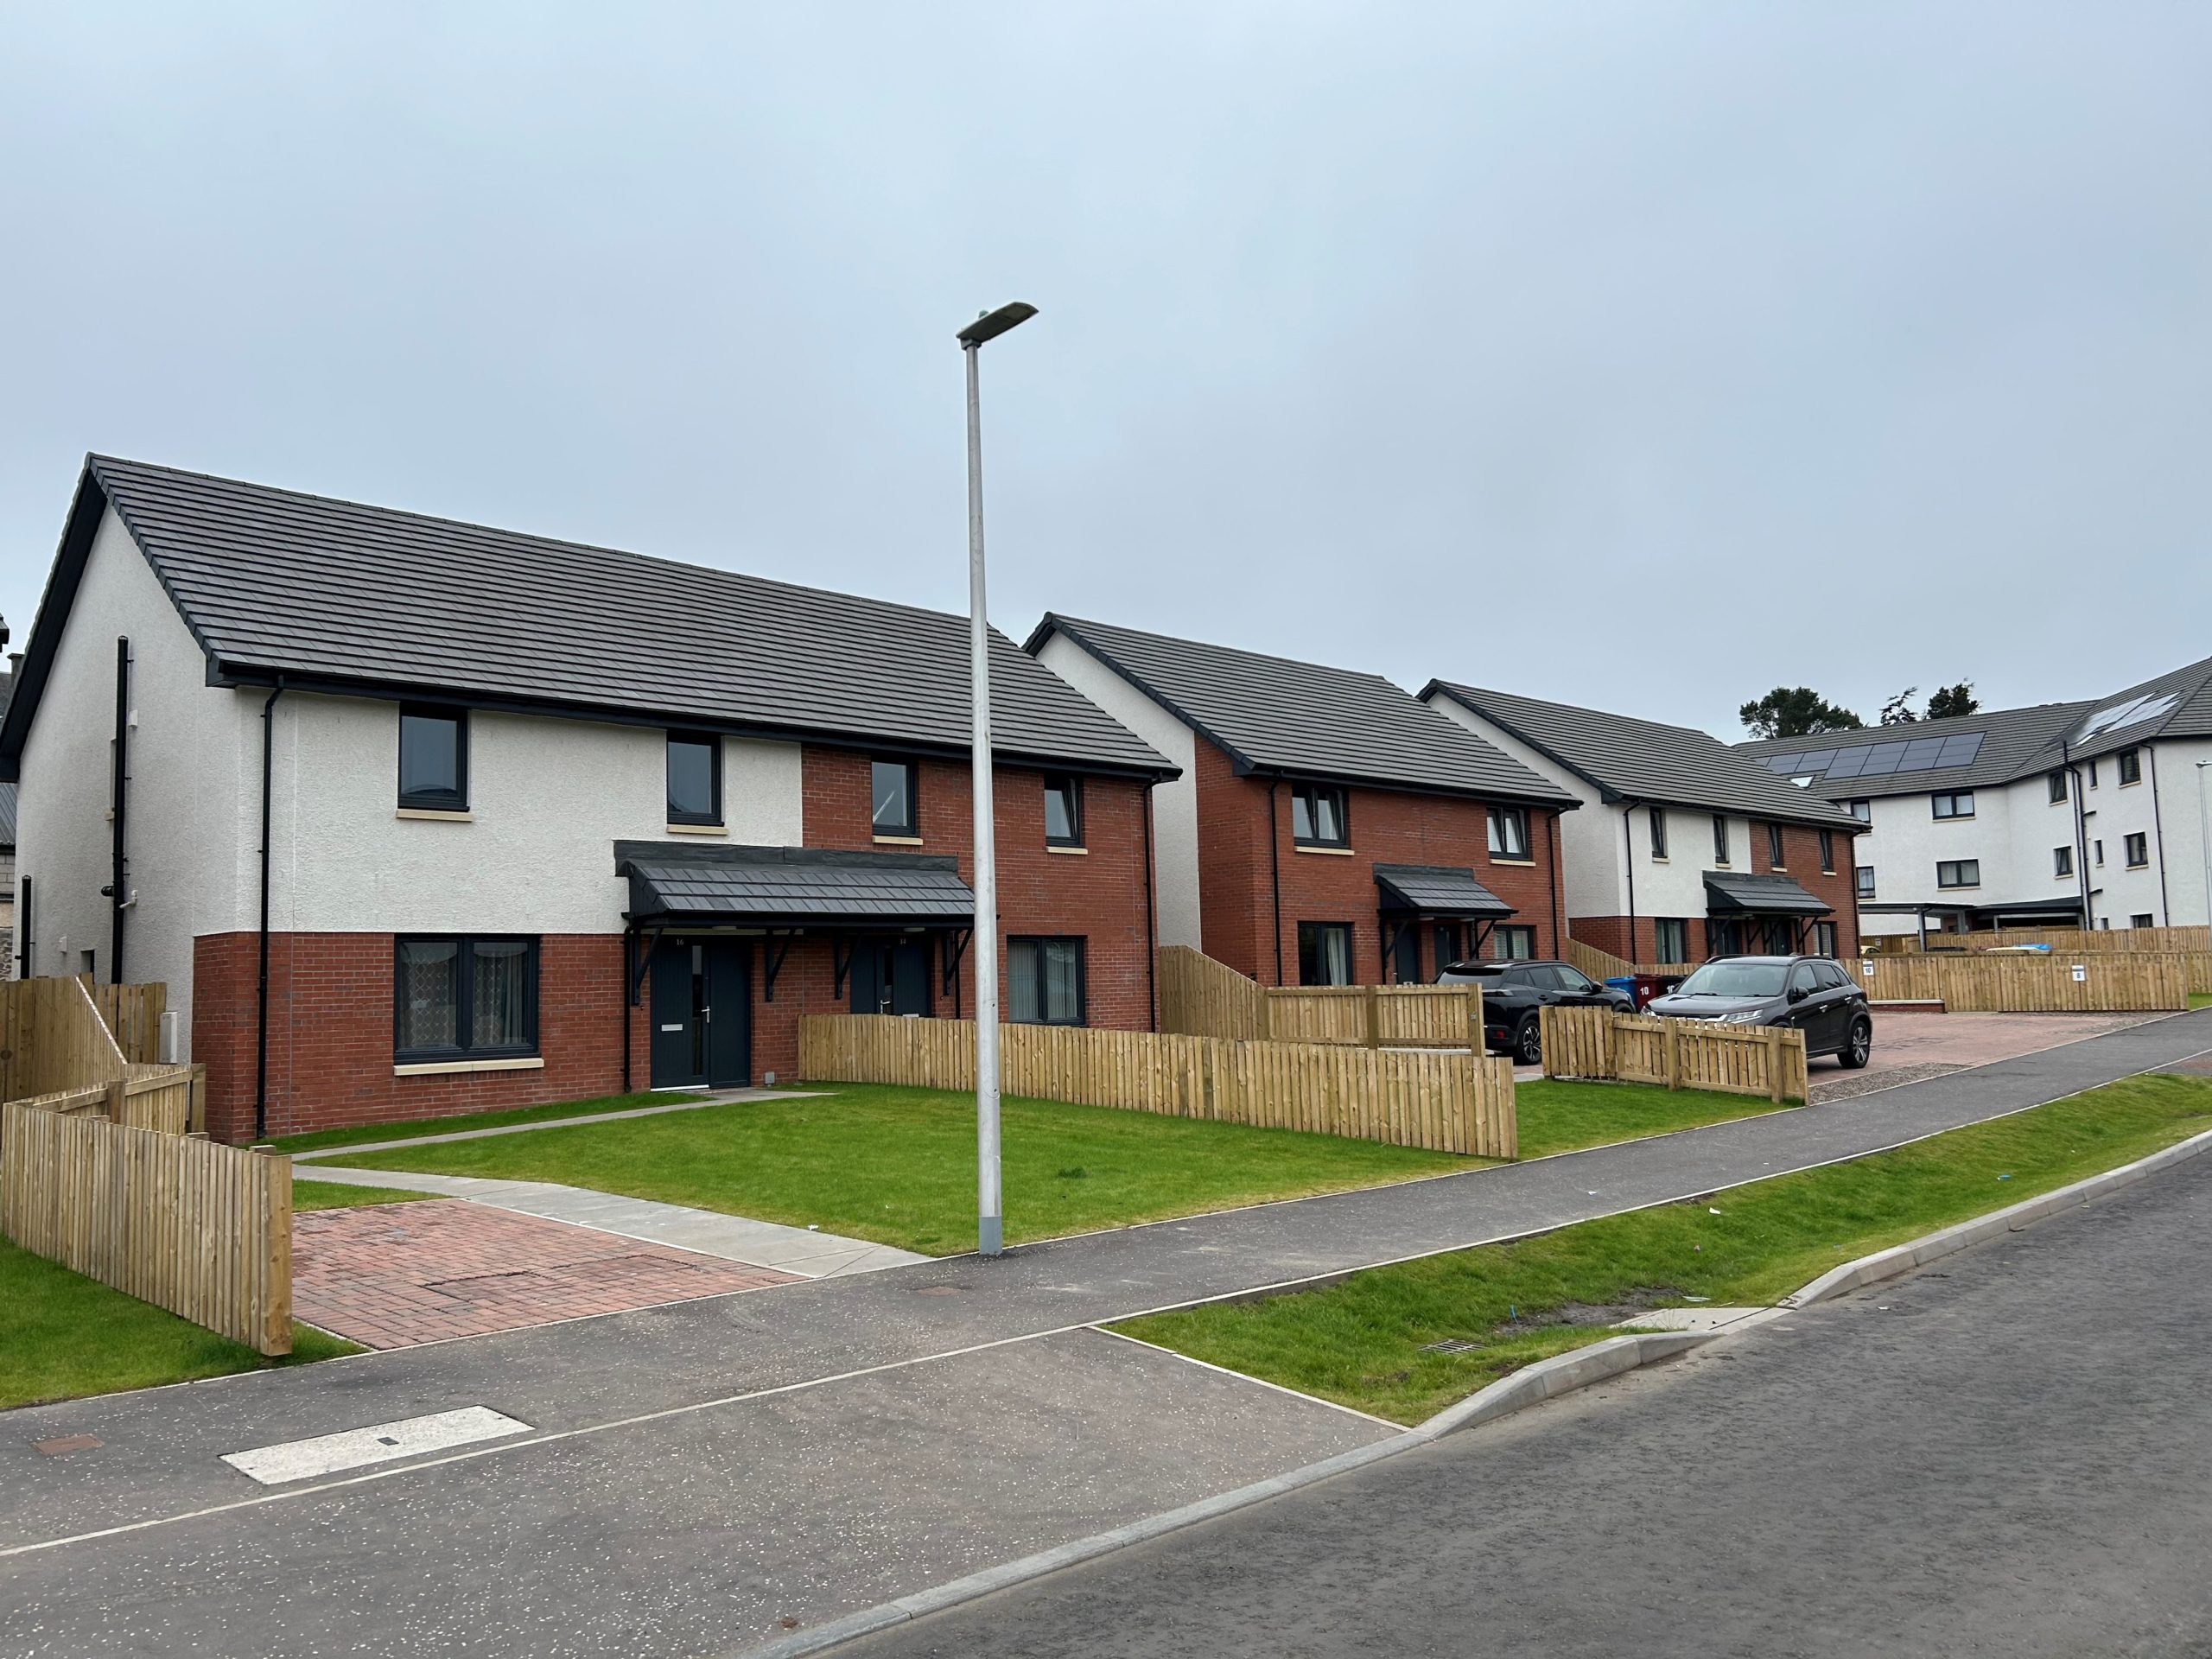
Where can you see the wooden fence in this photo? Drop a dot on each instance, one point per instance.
(1443, 1102)
(1581, 1042)
(51, 1037)
(1200, 997)
(2110, 983)
(1602, 965)
(133, 1016)
(202, 1229)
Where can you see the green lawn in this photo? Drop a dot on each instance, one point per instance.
(1560, 1116)
(62, 1335)
(368, 1133)
(1362, 1342)
(331, 1195)
(2200, 999)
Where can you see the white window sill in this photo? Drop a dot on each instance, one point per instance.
(1500, 858)
(698, 829)
(1660, 858)
(1324, 852)
(897, 840)
(1071, 852)
(434, 814)
(440, 1068)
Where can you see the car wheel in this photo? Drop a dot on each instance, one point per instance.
(1860, 1045)
(1529, 1041)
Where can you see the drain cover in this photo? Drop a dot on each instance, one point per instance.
(1450, 1345)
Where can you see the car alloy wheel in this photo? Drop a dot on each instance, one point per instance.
(1860, 1048)
(1528, 1042)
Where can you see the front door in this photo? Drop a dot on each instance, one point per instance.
(701, 1014)
(1405, 955)
(891, 976)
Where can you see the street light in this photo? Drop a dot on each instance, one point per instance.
(990, 1213)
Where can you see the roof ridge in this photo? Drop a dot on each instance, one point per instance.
(1057, 618)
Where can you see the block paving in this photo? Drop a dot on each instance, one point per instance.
(395, 1276)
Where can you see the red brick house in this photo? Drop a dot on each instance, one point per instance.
(510, 819)
(1327, 828)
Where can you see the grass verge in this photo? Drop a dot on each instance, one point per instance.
(333, 1195)
(1558, 1116)
(1366, 1342)
(63, 1335)
(368, 1133)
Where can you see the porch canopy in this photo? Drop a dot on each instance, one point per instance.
(1448, 893)
(1728, 893)
(785, 887)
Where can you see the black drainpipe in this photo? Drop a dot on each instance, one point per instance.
(2158, 828)
(261, 991)
(1275, 869)
(1628, 851)
(118, 888)
(629, 955)
(1551, 883)
(1151, 926)
(2081, 831)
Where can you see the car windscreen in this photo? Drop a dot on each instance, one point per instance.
(1736, 979)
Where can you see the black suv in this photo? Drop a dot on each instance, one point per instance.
(1513, 991)
(1807, 993)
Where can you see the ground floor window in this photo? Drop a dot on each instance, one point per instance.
(2142, 919)
(1722, 938)
(461, 997)
(1324, 953)
(1958, 873)
(1671, 938)
(1824, 938)
(1044, 982)
(1513, 943)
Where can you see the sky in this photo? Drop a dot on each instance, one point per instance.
(1646, 356)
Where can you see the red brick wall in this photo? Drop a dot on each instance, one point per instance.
(1236, 880)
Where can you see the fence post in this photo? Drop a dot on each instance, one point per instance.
(1672, 1042)
(1375, 1016)
(1774, 1064)
(1476, 1046)
(115, 1097)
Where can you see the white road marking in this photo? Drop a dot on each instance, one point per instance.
(357, 1448)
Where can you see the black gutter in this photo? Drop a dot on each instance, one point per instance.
(1274, 868)
(118, 797)
(1151, 927)
(261, 988)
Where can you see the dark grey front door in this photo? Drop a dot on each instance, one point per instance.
(891, 976)
(701, 1014)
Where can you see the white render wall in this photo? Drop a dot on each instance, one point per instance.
(1592, 856)
(2183, 794)
(1174, 804)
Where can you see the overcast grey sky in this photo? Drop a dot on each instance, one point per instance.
(1642, 355)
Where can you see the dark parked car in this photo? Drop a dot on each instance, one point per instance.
(1513, 991)
(1807, 993)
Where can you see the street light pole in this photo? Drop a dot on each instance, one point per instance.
(991, 1214)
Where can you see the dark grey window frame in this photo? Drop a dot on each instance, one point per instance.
(2055, 783)
(1313, 932)
(1777, 849)
(1658, 938)
(1495, 836)
(714, 746)
(911, 830)
(1958, 867)
(1720, 838)
(1071, 784)
(2062, 860)
(1505, 932)
(1950, 798)
(1862, 881)
(2129, 763)
(1309, 796)
(1827, 852)
(464, 989)
(2142, 919)
(455, 800)
(1862, 808)
(2135, 849)
(1081, 975)
(1658, 832)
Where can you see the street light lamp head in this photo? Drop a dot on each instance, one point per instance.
(992, 324)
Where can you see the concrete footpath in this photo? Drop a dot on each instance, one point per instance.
(698, 1473)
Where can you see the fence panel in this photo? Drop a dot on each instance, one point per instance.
(1678, 1053)
(202, 1229)
(51, 1037)
(1444, 1102)
(133, 1016)
(2110, 983)
(1602, 965)
(1200, 997)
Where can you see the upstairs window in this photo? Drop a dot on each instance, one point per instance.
(1063, 810)
(1774, 850)
(2138, 848)
(2057, 783)
(1866, 882)
(1862, 810)
(1508, 832)
(1317, 816)
(1659, 845)
(2130, 762)
(893, 810)
(1956, 804)
(2062, 860)
(695, 778)
(1958, 873)
(1719, 838)
(1827, 852)
(433, 758)
(2098, 848)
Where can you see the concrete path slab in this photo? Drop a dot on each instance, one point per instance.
(803, 1252)
(395, 1276)
(1688, 1319)
(719, 1097)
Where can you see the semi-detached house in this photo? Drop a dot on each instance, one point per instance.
(1685, 848)
(510, 819)
(1328, 827)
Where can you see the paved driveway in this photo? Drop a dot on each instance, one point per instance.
(1909, 1047)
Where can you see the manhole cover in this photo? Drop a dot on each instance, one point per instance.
(1450, 1345)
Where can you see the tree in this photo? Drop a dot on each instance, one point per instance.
(1953, 700)
(1897, 711)
(1796, 711)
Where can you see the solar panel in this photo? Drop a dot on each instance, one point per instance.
(1848, 763)
(1959, 750)
(1920, 753)
(1881, 759)
(1816, 761)
(1783, 763)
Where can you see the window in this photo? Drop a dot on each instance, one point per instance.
(1862, 810)
(1508, 832)
(463, 998)
(1866, 880)
(2138, 848)
(2062, 860)
(1324, 953)
(1044, 982)
(433, 759)
(1317, 819)
(2141, 919)
(1658, 832)
(1774, 860)
(893, 808)
(2056, 782)
(1670, 938)
(695, 778)
(1720, 839)
(1513, 943)
(1959, 872)
(1956, 804)
(1063, 810)
(1827, 852)
(2093, 774)
(2131, 766)
(1824, 945)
